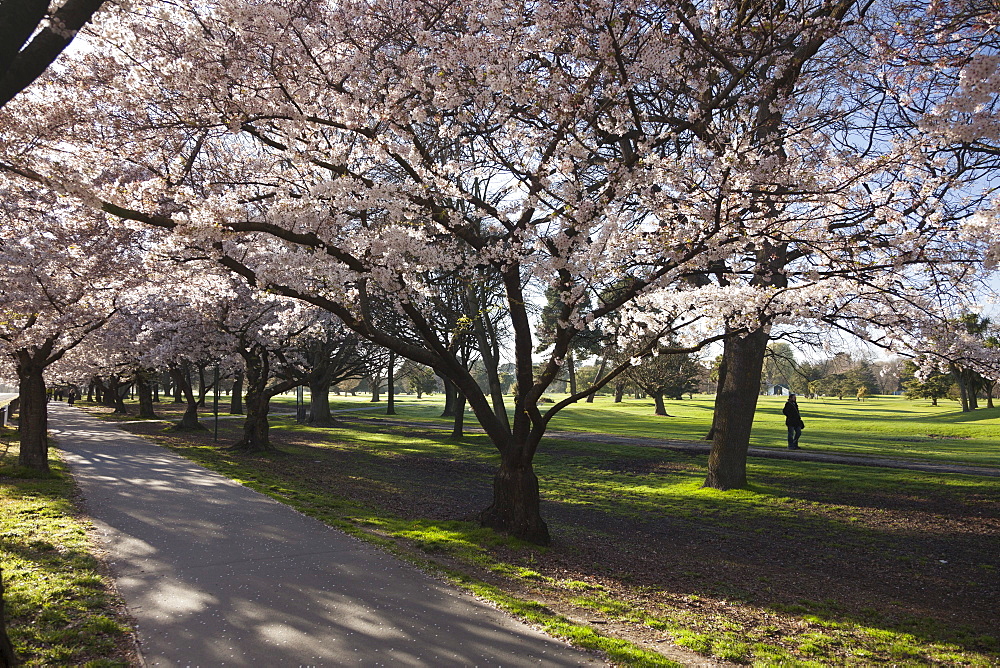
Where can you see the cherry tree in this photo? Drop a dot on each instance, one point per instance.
(66, 271)
(363, 166)
(693, 161)
(270, 334)
(333, 354)
(33, 33)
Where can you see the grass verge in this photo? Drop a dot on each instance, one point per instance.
(61, 609)
(815, 565)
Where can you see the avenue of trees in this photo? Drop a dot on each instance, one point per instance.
(296, 192)
(300, 192)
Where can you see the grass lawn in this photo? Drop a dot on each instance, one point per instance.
(61, 610)
(883, 426)
(815, 565)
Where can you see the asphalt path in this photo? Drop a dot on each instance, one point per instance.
(216, 574)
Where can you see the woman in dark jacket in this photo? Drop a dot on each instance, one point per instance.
(793, 421)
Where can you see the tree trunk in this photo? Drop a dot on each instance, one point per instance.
(32, 416)
(373, 384)
(973, 390)
(390, 403)
(720, 383)
(962, 389)
(178, 392)
(734, 410)
(108, 392)
(597, 378)
(619, 392)
(90, 391)
(119, 392)
(256, 428)
(516, 507)
(7, 657)
(236, 398)
(256, 437)
(145, 391)
(458, 430)
(319, 405)
(182, 387)
(202, 386)
(449, 398)
(658, 401)
(571, 370)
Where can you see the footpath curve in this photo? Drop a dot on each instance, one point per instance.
(216, 574)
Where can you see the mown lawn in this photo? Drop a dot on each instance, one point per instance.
(816, 564)
(883, 426)
(61, 610)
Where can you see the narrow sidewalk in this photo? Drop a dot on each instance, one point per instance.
(216, 574)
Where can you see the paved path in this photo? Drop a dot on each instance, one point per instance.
(218, 575)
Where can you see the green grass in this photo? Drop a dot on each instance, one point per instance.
(857, 514)
(60, 611)
(799, 503)
(422, 541)
(881, 426)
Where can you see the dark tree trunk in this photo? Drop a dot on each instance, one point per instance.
(178, 392)
(145, 391)
(203, 386)
(516, 507)
(182, 386)
(319, 405)
(449, 398)
(32, 415)
(390, 396)
(458, 430)
(108, 392)
(256, 428)
(489, 356)
(90, 391)
(974, 388)
(962, 388)
(118, 393)
(619, 392)
(373, 384)
(156, 392)
(598, 377)
(571, 370)
(658, 401)
(236, 398)
(7, 657)
(734, 410)
(718, 390)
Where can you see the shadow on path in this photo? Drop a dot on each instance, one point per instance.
(217, 574)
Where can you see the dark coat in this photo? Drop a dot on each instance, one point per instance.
(792, 417)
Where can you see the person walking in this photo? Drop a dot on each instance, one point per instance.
(793, 421)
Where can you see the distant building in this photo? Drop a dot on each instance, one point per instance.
(778, 390)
